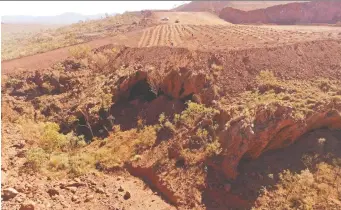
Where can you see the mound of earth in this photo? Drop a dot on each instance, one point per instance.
(293, 13)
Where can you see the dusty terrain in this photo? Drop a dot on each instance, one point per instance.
(199, 114)
(31, 41)
(24, 28)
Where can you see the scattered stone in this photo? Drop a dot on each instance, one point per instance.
(52, 192)
(104, 185)
(9, 193)
(61, 198)
(27, 205)
(119, 178)
(100, 190)
(28, 186)
(21, 154)
(77, 180)
(92, 182)
(120, 189)
(72, 189)
(88, 198)
(127, 195)
(75, 184)
(115, 207)
(74, 198)
(20, 187)
(19, 199)
(19, 145)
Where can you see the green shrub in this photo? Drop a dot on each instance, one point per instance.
(51, 140)
(36, 158)
(266, 78)
(80, 52)
(213, 149)
(195, 111)
(80, 164)
(99, 62)
(162, 118)
(59, 162)
(216, 67)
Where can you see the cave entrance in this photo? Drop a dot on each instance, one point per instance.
(142, 91)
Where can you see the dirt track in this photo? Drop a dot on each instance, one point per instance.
(44, 60)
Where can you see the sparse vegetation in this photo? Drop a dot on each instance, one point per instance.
(304, 98)
(14, 45)
(304, 190)
(97, 112)
(124, 146)
(80, 52)
(196, 112)
(51, 150)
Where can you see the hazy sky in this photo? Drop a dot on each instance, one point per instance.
(44, 8)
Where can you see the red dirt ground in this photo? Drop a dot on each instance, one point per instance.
(103, 192)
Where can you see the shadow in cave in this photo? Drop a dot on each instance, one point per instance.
(142, 102)
(254, 174)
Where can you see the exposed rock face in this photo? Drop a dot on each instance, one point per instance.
(269, 130)
(148, 173)
(176, 84)
(293, 13)
(272, 127)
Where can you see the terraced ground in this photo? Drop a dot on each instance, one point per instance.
(225, 37)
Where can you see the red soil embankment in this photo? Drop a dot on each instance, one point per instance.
(293, 13)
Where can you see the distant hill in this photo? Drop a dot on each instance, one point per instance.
(293, 13)
(217, 6)
(65, 18)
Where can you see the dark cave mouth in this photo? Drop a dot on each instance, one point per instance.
(143, 91)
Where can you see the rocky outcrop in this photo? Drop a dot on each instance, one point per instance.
(270, 129)
(176, 84)
(293, 13)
